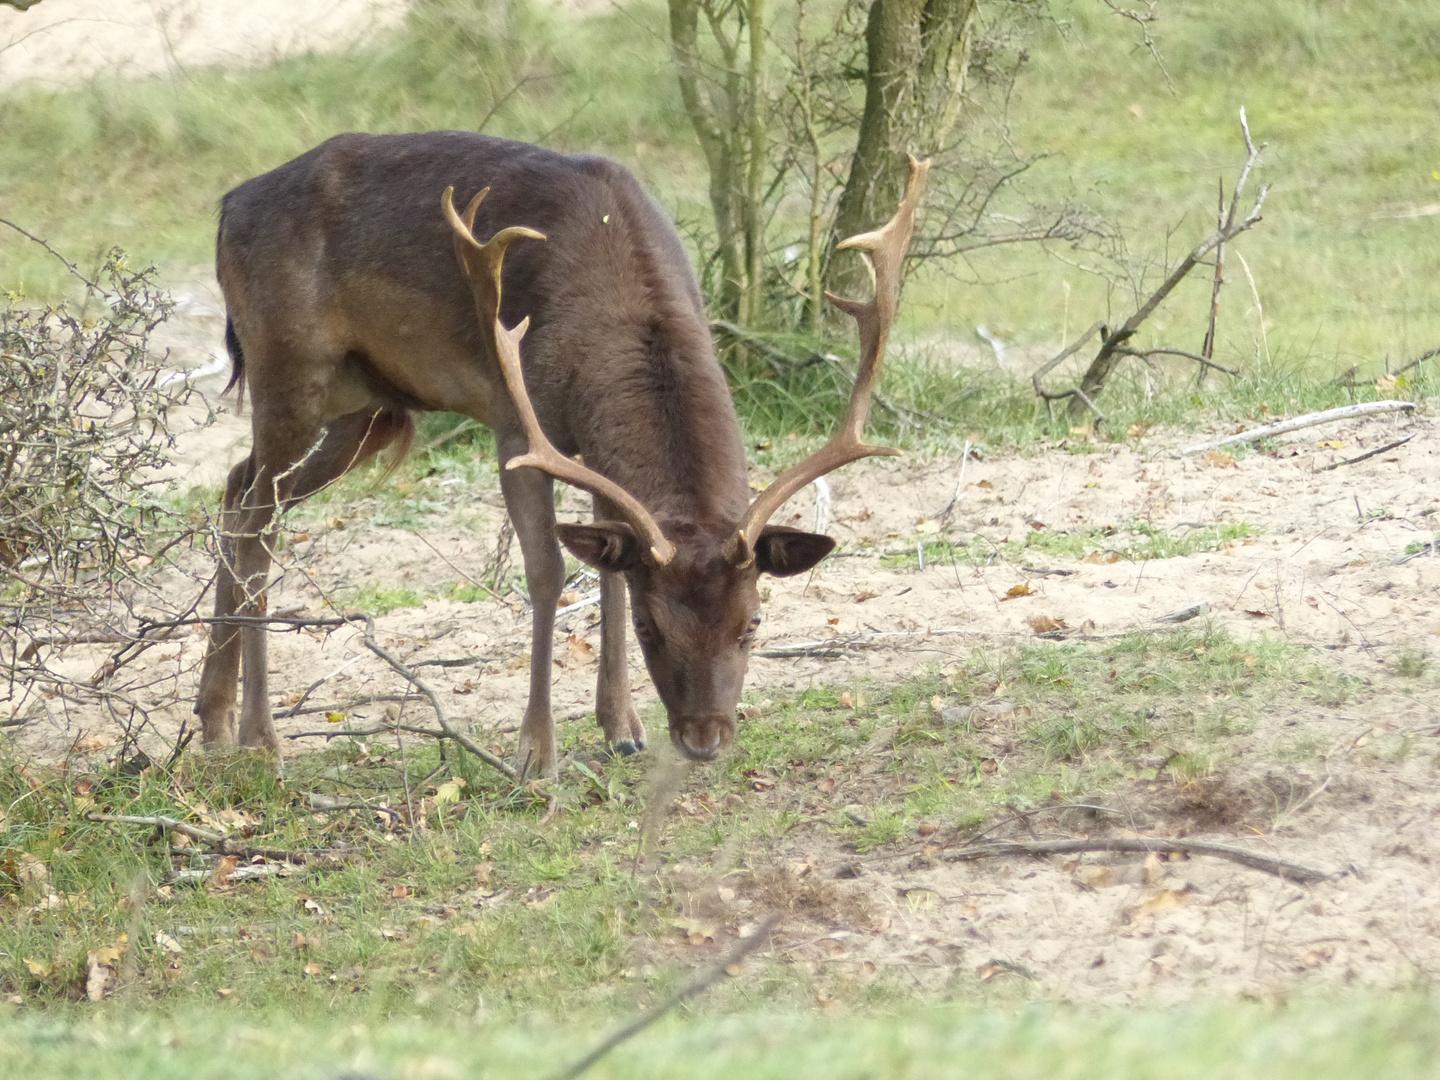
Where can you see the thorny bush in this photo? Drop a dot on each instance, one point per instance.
(87, 425)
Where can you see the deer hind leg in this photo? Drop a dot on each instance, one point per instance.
(613, 708)
(294, 471)
(215, 704)
(529, 496)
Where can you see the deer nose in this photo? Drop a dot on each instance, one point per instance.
(702, 738)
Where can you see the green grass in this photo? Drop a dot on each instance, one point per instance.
(1344, 100)
(1318, 1039)
(1345, 103)
(1133, 541)
(465, 893)
(381, 601)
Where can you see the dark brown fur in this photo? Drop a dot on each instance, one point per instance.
(348, 311)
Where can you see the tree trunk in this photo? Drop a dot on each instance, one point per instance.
(725, 101)
(916, 55)
(716, 134)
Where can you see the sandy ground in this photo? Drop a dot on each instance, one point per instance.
(65, 41)
(1321, 571)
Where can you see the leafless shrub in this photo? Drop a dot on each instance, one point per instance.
(88, 521)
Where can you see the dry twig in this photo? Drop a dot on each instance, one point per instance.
(1295, 423)
(1114, 345)
(703, 982)
(1142, 845)
(217, 842)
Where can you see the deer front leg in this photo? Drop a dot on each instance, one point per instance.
(613, 709)
(530, 498)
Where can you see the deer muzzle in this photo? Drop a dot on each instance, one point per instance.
(702, 738)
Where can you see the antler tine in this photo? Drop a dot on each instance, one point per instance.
(542, 454)
(884, 251)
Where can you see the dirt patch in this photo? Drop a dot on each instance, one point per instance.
(67, 41)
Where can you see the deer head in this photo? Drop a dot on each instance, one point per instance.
(694, 585)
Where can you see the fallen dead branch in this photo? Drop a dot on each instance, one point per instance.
(1142, 845)
(1115, 344)
(1295, 423)
(743, 948)
(447, 730)
(1368, 454)
(217, 842)
(239, 874)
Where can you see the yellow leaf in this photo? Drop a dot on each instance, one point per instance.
(40, 968)
(1333, 444)
(926, 526)
(449, 791)
(335, 717)
(1015, 591)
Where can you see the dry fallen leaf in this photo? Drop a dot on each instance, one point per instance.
(1044, 624)
(1162, 900)
(96, 981)
(988, 765)
(825, 785)
(220, 876)
(1219, 459)
(926, 526)
(482, 873)
(927, 828)
(168, 943)
(1097, 877)
(1017, 591)
(580, 649)
(41, 969)
(1102, 557)
(313, 969)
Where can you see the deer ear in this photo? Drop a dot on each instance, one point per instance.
(786, 552)
(605, 545)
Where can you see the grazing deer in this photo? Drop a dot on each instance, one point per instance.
(345, 313)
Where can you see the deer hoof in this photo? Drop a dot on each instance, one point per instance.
(626, 748)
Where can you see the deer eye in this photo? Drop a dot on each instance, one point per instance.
(644, 631)
(750, 631)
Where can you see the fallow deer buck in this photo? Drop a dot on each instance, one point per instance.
(346, 312)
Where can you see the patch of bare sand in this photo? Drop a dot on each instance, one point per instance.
(59, 42)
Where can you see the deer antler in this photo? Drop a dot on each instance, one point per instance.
(485, 280)
(884, 251)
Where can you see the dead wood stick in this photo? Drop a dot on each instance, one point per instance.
(452, 733)
(350, 703)
(1368, 453)
(221, 843)
(1255, 860)
(1203, 361)
(1413, 363)
(1295, 423)
(493, 594)
(841, 644)
(743, 948)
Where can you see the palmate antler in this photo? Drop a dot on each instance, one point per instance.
(482, 264)
(884, 250)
